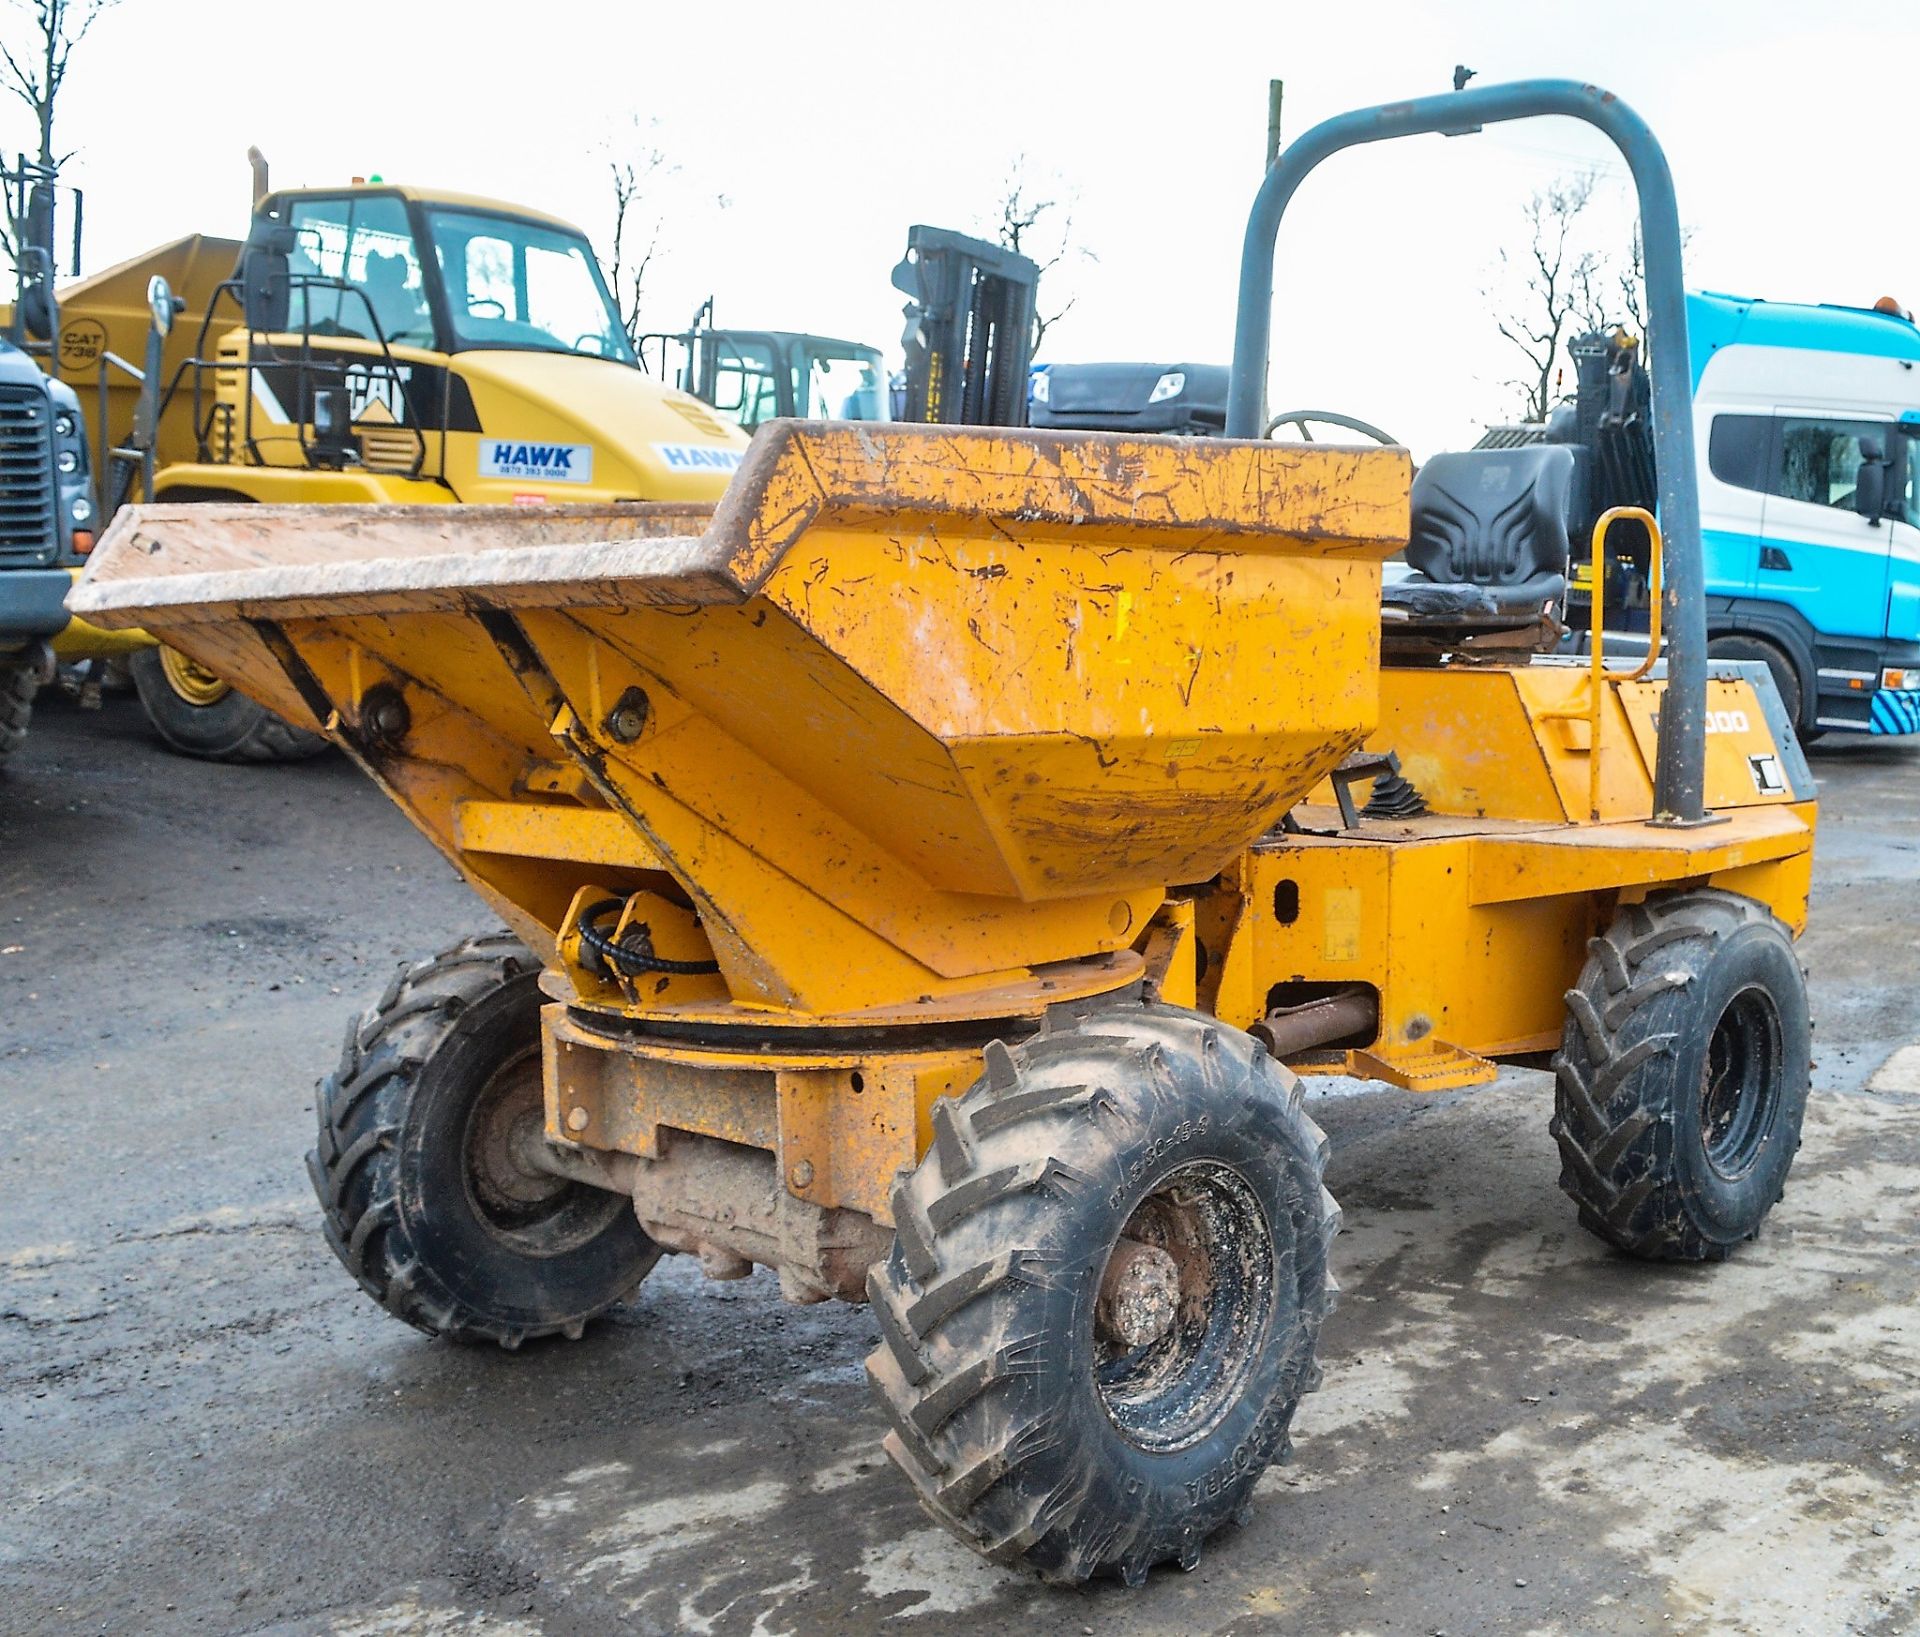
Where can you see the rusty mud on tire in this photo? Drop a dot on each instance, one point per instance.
(1106, 1287)
(415, 1164)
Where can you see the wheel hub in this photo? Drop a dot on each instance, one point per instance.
(507, 1131)
(191, 680)
(1738, 1084)
(1138, 1295)
(1185, 1300)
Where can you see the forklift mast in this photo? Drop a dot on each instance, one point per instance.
(969, 335)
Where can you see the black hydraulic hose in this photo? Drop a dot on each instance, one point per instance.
(632, 962)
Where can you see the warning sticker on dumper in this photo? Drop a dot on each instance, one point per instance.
(536, 462)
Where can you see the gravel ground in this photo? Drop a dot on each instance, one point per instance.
(205, 1428)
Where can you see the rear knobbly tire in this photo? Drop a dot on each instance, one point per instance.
(426, 1230)
(18, 686)
(1034, 1440)
(1682, 1077)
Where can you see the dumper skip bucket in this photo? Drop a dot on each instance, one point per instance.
(913, 706)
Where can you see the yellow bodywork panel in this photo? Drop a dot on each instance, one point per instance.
(1471, 937)
(1481, 741)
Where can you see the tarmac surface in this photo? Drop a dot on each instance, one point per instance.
(205, 1428)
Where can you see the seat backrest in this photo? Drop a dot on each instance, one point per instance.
(1491, 516)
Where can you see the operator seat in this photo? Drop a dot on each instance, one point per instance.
(1488, 543)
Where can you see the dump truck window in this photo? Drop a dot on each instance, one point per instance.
(745, 388)
(845, 389)
(363, 249)
(516, 283)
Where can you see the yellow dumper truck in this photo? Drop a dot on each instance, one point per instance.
(365, 345)
(929, 871)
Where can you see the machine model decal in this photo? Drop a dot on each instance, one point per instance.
(699, 457)
(539, 462)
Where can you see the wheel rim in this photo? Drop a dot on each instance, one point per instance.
(193, 682)
(1172, 1391)
(534, 1211)
(1740, 1083)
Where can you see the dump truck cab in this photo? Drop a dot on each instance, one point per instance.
(390, 343)
(752, 376)
(367, 344)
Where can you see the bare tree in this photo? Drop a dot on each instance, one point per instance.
(33, 70)
(636, 226)
(1558, 287)
(1033, 223)
(1628, 306)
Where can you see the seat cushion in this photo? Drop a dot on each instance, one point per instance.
(1488, 542)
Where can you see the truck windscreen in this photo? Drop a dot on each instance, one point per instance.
(516, 283)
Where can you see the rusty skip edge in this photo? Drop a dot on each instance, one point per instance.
(185, 564)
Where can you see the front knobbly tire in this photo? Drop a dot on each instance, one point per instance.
(17, 689)
(984, 1304)
(390, 1125)
(1631, 1073)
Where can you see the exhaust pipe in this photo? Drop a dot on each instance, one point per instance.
(1287, 1030)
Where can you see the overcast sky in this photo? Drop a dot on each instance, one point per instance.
(804, 139)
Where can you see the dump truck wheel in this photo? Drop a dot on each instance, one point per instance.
(1682, 1076)
(199, 715)
(1107, 1282)
(1786, 678)
(437, 1091)
(17, 688)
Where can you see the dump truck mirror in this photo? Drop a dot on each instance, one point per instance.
(36, 292)
(1870, 482)
(160, 304)
(35, 313)
(264, 291)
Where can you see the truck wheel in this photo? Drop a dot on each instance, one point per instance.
(426, 1199)
(1682, 1076)
(1786, 676)
(197, 714)
(1106, 1285)
(18, 685)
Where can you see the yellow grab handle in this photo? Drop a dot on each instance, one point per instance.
(1596, 620)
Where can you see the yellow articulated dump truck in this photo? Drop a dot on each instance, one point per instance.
(929, 872)
(364, 345)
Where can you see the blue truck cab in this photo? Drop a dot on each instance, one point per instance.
(1808, 567)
